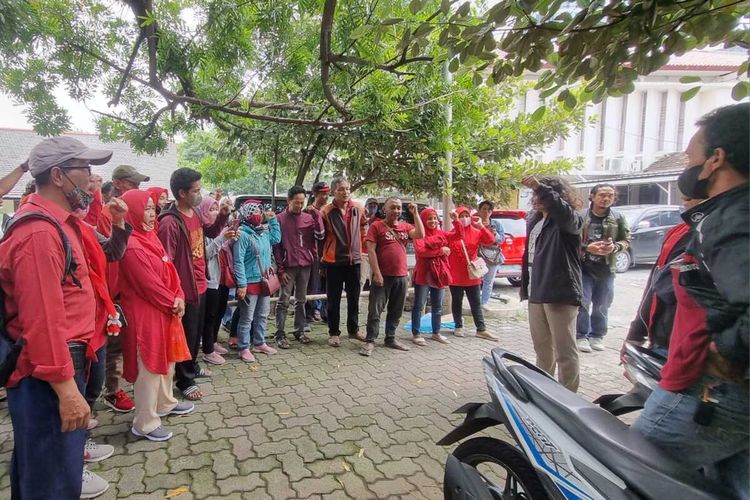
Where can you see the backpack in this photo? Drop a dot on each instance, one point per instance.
(10, 349)
(226, 265)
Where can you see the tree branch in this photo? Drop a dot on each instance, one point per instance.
(326, 26)
(116, 99)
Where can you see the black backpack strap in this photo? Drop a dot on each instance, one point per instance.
(70, 263)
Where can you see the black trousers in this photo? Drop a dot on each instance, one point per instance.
(216, 304)
(339, 278)
(474, 294)
(192, 322)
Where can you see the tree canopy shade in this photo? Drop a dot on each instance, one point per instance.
(169, 66)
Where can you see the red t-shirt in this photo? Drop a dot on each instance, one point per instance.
(391, 246)
(194, 227)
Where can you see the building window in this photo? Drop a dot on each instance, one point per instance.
(623, 121)
(602, 124)
(662, 121)
(681, 127)
(642, 131)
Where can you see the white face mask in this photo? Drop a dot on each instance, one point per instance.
(465, 221)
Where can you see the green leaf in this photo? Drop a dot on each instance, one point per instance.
(690, 79)
(453, 66)
(392, 20)
(476, 79)
(360, 31)
(463, 11)
(445, 6)
(689, 94)
(415, 6)
(539, 113)
(740, 91)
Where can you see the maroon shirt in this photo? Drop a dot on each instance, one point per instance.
(391, 246)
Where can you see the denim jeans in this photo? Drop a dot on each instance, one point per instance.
(97, 371)
(391, 295)
(597, 294)
(297, 284)
(227, 318)
(488, 282)
(457, 301)
(47, 464)
(436, 307)
(719, 448)
(252, 324)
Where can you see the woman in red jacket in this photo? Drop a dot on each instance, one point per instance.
(153, 303)
(432, 272)
(474, 235)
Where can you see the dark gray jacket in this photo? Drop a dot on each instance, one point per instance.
(721, 245)
(556, 278)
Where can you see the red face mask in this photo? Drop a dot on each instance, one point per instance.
(255, 219)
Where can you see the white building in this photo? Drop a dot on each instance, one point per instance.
(635, 130)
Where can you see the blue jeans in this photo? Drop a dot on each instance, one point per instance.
(488, 281)
(97, 374)
(719, 448)
(436, 307)
(227, 318)
(597, 294)
(47, 464)
(253, 317)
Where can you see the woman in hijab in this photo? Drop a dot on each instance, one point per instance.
(474, 235)
(217, 295)
(153, 303)
(160, 197)
(252, 258)
(432, 272)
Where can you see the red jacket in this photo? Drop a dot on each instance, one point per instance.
(432, 267)
(473, 238)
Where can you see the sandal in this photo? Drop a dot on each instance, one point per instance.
(439, 338)
(204, 373)
(282, 342)
(417, 339)
(304, 339)
(192, 393)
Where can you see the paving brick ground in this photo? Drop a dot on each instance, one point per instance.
(317, 422)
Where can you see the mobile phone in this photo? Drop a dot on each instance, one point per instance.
(235, 224)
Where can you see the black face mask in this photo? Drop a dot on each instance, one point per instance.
(78, 198)
(690, 185)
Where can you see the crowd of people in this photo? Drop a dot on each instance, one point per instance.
(129, 285)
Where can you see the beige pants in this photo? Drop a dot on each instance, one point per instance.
(553, 332)
(153, 395)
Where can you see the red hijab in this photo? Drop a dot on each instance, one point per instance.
(136, 201)
(424, 215)
(155, 193)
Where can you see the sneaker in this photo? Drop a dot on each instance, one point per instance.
(218, 348)
(93, 423)
(97, 452)
(395, 344)
(583, 345)
(265, 349)
(417, 339)
(597, 343)
(158, 434)
(458, 332)
(316, 316)
(247, 356)
(484, 334)
(214, 358)
(334, 341)
(366, 349)
(119, 401)
(92, 485)
(180, 409)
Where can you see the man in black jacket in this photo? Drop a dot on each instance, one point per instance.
(704, 421)
(551, 276)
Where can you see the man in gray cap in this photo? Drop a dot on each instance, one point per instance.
(57, 322)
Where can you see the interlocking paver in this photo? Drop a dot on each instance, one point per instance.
(316, 422)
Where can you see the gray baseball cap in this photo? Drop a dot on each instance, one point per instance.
(52, 152)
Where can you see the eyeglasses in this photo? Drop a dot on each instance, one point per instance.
(74, 165)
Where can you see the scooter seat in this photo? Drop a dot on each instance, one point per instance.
(641, 465)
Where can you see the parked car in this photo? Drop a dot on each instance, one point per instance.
(514, 244)
(648, 225)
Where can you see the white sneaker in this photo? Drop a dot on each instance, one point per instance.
(583, 345)
(597, 343)
(97, 452)
(92, 485)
